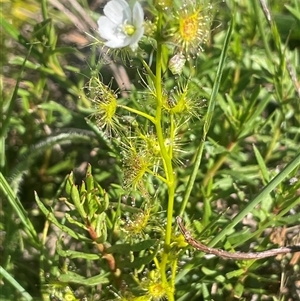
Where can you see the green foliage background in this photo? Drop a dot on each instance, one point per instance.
(47, 57)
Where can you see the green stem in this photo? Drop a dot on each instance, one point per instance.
(172, 135)
(167, 162)
(44, 9)
(148, 69)
(138, 112)
(173, 276)
(157, 176)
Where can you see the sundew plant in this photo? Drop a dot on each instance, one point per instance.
(150, 150)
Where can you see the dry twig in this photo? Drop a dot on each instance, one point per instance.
(235, 255)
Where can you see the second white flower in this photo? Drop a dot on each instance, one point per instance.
(121, 26)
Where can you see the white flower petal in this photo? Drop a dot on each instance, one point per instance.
(106, 27)
(116, 43)
(116, 10)
(135, 38)
(137, 15)
(115, 26)
(138, 34)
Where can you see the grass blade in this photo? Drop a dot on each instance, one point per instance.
(207, 118)
(14, 283)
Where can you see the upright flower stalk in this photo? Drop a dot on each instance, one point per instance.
(167, 160)
(178, 33)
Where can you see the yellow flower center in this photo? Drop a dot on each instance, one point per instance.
(156, 290)
(189, 26)
(128, 29)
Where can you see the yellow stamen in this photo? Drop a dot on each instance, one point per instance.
(129, 29)
(189, 27)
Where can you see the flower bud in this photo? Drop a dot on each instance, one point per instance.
(176, 63)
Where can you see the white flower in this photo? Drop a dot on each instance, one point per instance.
(120, 26)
